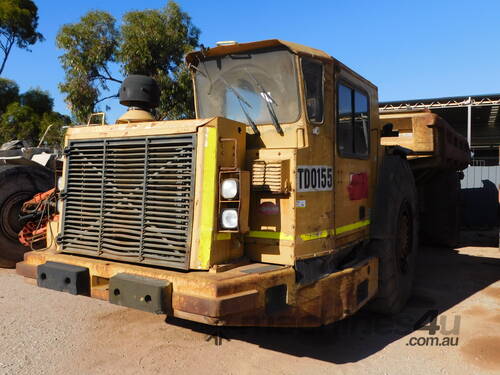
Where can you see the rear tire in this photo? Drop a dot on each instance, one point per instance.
(394, 235)
(18, 184)
(440, 213)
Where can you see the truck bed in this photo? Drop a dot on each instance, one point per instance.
(433, 142)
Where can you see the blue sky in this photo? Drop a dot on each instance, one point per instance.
(409, 49)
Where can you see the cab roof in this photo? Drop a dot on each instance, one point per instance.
(299, 49)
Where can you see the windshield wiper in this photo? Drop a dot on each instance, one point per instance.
(242, 101)
(269, 103)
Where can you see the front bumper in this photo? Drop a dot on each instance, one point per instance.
(254, 294)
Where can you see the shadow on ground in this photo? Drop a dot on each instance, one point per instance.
(444, 278)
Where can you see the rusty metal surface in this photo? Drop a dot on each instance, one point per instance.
(236, 297)
(217, 307)
(26, 270)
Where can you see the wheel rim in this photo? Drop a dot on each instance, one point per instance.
(404, 239)
(9, 215)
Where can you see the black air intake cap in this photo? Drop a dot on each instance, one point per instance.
(139, 91)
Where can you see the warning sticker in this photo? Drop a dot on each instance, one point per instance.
(314, 178)
(300, 203)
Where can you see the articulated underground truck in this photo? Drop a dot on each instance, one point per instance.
(288, 201)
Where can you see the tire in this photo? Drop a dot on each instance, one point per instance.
(394, 233)
(440, 209)
(17, 185)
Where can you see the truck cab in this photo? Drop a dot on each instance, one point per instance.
(312, 143)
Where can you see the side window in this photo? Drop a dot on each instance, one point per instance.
(353, 122)
(345, 134)
(312, 71)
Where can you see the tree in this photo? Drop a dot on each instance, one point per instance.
(55, 134)
(18, 24)
(28, 115)
(19, 122)
(38, 100)
(9, 93)
(150, 42)
(90, 46)
(154, 43)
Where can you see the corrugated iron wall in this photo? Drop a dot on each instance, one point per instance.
(474, 175)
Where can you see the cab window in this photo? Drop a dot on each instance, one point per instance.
(312, 70)
(353, 125)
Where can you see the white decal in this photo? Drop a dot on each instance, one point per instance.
(301, 203)
(314, 178)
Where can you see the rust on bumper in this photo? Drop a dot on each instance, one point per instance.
(238, 296)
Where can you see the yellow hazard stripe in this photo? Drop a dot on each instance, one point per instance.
(269, 235)
(208, 198)
(315, 235)
(325, 233)
(223, 236)
(309, 236)
(349, 227)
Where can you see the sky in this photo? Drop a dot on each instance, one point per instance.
(409, 49)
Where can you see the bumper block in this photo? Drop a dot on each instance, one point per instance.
(141, 293)
(64, 278)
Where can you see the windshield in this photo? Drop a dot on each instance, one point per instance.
(251, 87)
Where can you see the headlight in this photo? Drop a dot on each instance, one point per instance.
(229, 218)
(229, 188)
(60, 183)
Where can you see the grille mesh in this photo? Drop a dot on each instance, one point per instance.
(269, 176)
(130, 199)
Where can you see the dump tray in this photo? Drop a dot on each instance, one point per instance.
(433, 142)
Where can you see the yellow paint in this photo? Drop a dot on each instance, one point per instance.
(314, 235)
(308, 236)
(327, 232)
(223, 236)
(208, 199)
(269, 235)
(349, 227)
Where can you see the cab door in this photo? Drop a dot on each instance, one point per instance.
(352, 158)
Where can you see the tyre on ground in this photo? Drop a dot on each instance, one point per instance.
(439, 200)
(18, 183)
(394, 233)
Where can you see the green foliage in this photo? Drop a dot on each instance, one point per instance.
(9, 93)
(18, 24)
(28, 115)
(38, 100)
(55, 134)
(19, 122)
(90, 46)
(150, 42)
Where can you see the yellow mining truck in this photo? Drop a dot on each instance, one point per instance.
(286, 202)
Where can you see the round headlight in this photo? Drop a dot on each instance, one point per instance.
(229, 218)
(229, 188)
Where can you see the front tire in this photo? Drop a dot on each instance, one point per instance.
(18, 184)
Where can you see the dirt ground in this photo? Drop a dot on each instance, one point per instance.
(47, 332)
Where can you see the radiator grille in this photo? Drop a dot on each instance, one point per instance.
(130, 199)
